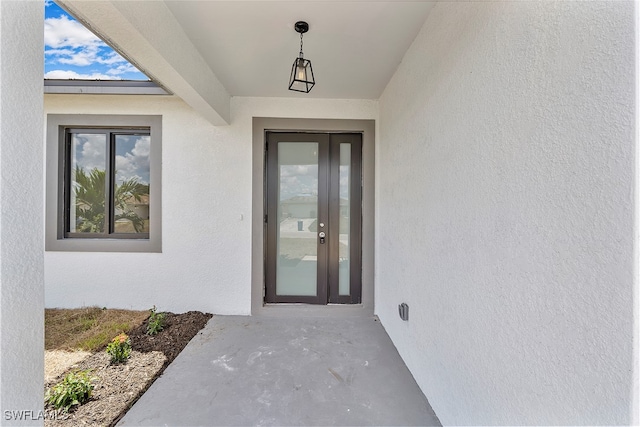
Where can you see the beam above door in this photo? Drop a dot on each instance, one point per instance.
(149, 36)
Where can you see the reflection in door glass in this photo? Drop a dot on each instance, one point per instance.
(296, 272)
(345, 219)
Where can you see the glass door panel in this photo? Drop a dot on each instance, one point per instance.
(297, 221)
(345, 220)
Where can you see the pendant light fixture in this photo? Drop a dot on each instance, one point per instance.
(301, 79)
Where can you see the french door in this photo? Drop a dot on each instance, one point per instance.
(313, 218)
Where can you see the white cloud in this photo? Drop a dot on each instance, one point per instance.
(82, 58)
(90, 55)
(90, 151)
(72, 75)
(142, 147)
(297, 185)
(74, 52)
(64, 32)
(69, 43)
(59, 52)
(121, 69)
(299, 170)
(112, 58)
(135, 163)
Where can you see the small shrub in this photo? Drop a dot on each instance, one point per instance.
(156, 321)
(119, 348)
(73, 390)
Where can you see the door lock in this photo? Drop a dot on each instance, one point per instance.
(321, 236)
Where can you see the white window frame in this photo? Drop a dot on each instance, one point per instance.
(55, 239)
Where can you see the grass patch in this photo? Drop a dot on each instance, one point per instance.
(88, 328)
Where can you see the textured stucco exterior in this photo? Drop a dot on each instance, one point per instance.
(21, 214)
(504, 204)
(207, 176)
(506, 212)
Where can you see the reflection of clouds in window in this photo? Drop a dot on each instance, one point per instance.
(132, 158)
(299, 170)
(298, 180)
(89, 151)
(344, 182)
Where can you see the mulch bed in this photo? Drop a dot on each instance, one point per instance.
(119, 386)
(178, 331)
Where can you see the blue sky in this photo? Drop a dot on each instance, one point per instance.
(73, 52)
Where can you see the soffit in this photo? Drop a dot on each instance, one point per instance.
(354, 46)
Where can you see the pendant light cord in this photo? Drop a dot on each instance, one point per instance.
(301, 55)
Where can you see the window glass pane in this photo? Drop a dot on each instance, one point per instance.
(87, 186)
(344, 283)
(297, 268)
(131, 192)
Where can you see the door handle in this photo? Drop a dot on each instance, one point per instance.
(321, 235)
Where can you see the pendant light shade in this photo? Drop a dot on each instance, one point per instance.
(301, 79)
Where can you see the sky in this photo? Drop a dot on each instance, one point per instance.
(73, 52)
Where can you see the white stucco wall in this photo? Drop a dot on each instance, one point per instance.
(21, 213)
(205, 262)
(505, 211)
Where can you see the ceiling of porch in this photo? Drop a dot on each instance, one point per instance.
(354, 46)
(207, 51)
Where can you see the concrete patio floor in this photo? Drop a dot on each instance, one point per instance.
(285, 371)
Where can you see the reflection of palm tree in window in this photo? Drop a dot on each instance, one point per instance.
(89, 190)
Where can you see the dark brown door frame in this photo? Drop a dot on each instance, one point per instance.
(328, 195)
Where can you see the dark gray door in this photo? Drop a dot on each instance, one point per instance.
(313, 218)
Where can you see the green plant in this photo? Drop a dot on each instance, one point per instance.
(119, 348)
(156, 321)
(73, 390)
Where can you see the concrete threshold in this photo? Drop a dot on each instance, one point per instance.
(244, 370)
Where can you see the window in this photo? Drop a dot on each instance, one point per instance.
(103, 183)
(106, 183)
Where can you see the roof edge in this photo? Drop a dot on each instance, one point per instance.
(104, 87)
